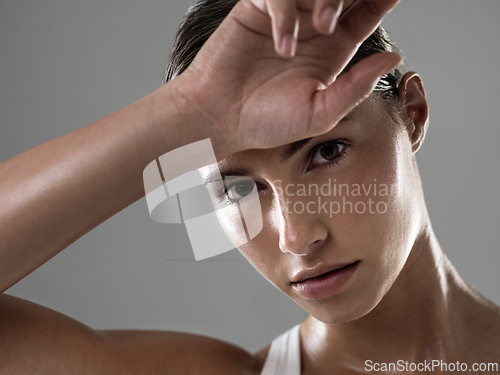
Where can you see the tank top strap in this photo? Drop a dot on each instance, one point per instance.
(284, 355)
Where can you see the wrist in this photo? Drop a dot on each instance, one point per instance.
(179, 119)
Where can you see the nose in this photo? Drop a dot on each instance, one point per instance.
(300, 228)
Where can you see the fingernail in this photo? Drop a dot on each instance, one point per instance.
(393, 63)
(287, 45)
(329, 19)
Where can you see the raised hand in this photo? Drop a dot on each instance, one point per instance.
(270, 74)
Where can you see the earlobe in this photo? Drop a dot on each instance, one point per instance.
(412, 94)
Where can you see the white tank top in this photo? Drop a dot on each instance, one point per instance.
(284, 355)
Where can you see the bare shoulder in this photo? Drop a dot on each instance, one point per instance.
(38, 340)
(493, 333)
(262, 354)
(482, 324)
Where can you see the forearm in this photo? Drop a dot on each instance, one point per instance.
(54, 193)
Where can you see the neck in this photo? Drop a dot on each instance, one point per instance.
(426, 315)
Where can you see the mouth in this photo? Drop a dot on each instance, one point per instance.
(320, 272)
(323, 282)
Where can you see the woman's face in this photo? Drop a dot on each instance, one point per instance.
(350, 197)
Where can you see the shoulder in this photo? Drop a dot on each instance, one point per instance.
(262, 354)
(38, 340)
(481, 329)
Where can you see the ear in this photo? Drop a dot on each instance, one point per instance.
(412, 94)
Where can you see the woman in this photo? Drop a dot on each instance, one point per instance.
(392, 264)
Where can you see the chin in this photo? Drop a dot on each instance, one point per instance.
(339, 311)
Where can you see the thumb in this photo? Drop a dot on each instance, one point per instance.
(350, 89)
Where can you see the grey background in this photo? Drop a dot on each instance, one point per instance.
(66, 63)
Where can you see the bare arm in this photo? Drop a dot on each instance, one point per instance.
(37, 340)
(54, 193)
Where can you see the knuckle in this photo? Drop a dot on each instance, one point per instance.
(373, 8)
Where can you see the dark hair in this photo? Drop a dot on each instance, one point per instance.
(203, 18)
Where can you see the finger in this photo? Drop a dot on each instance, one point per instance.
(326, 14)
(347, 5)
(364, 16)
(285, 25)
(350, 89)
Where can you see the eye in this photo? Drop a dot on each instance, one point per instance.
(327, 152)
(236, 191)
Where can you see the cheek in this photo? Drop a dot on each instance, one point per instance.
(380, 214)
(232, 224)
(264, 255)
(241, 220)
(391, 232)
(374, 223)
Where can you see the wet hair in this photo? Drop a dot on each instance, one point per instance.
(203, 18)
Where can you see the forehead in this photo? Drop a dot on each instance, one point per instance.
(362, 119)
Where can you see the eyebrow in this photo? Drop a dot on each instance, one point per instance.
(214, 176)
(293, 148)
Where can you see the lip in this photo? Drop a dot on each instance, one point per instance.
(324, 281)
